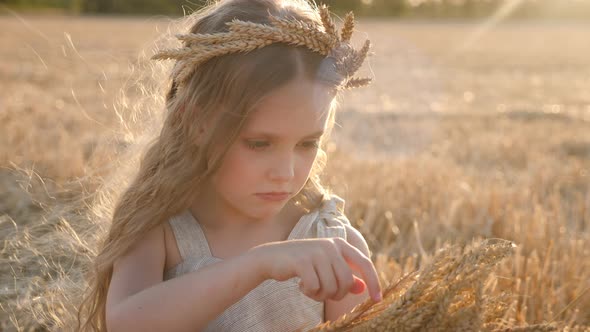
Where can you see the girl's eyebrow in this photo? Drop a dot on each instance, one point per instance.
(275, 136)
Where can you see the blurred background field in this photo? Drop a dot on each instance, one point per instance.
(473, 128)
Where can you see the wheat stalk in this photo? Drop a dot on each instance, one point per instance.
(445, 295)
(245, 37)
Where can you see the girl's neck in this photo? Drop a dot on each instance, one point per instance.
(216, 217)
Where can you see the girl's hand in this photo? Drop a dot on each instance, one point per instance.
(324, 265)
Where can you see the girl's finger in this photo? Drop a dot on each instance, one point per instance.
(358, 286)
(328, 283)
(344, 277)
(360, 263)
(309, 283)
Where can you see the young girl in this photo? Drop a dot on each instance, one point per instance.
(226, 226)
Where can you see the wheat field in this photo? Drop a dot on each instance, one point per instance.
(469, 132)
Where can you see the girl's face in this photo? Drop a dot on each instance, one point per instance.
(272, 157)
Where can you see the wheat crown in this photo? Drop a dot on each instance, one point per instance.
(246, 36)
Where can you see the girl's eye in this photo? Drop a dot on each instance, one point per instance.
(310, 145)
(260, 145)
(256, 145)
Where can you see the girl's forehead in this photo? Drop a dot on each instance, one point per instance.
(301, 104)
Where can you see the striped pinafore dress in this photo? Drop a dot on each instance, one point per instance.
(273, 305)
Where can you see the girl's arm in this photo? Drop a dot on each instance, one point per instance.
(138, 300)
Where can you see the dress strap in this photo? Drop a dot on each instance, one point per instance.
(303, 226)
(328, 220)
(331, 219)
(190, 239)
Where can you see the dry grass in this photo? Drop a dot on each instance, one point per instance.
(482, 140)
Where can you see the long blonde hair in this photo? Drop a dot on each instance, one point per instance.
(211, 109)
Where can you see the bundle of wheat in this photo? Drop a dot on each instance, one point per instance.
(448, 294)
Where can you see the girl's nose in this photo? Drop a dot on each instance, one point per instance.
(283, 168)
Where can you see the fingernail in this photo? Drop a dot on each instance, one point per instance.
(379, 297)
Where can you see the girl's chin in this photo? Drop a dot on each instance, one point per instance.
(265, 212)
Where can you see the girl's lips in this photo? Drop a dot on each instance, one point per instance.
(274, 197)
